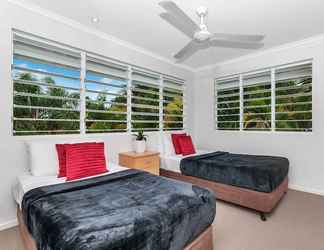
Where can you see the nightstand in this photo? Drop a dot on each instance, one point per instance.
(148, 161)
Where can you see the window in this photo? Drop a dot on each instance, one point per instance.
(172, 105)
(46, 89)
(106, 96)
(60, 90)
(145, 101)
(276, 99)
(257, 101)
(294, 98)
(228, 104)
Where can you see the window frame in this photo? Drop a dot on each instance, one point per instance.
(273, 79)
(140, 81)
(38, 58)
(265, 83)
(176, 90)
(90, 72)
(84, 57)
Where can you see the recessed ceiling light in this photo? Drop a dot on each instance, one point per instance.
(95, 19)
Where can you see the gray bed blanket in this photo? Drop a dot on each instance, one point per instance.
(126, 210)
(256, 172)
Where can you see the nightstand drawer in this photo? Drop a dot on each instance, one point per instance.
(146, 162)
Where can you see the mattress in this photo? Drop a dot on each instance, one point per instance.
(256, 172)
(27, 182)
(129, 209)
(172, 162)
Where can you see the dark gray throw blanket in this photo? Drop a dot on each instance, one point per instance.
(126, 210)
(256, 172)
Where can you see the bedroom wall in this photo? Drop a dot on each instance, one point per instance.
(304, 150)
(12, 149)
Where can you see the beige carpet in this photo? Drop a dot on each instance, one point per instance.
(297, 224)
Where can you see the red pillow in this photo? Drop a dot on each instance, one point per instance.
(175, 141)
(84, 160)
(60, 149)
(186, 145)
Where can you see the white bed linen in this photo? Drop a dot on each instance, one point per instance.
(27, 182)
(172, 162)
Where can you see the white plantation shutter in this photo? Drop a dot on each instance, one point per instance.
(145, 101)
(294, 98)
(173, 100)
(227, 103)
(26, 48)
(257, 101)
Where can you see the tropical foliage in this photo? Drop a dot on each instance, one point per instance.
(293, 110)
(257, 106)
(53, 109)
(228, 108)
(172, 109)
(40, 109)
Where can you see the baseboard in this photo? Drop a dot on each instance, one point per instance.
(306, 190)
(8, 224)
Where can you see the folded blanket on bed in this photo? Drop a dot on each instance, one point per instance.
(126, 210)
(256, 172)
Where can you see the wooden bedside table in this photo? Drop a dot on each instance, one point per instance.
(148, 161)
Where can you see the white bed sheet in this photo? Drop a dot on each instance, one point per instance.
(27, 182)
(172, 162)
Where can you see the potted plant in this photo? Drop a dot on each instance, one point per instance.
(140, 142)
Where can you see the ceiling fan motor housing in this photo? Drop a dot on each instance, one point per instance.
(202, 35)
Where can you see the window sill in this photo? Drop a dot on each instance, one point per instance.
(266, 132)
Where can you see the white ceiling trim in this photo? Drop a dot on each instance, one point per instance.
(88, 29)
(311, 40)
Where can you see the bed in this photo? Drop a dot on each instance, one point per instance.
(255, 182)
(124, 209)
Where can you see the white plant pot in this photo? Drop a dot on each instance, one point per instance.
(140, 146)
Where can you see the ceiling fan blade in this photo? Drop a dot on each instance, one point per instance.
(187, 50)
(179, 24)
(235, 44)
(174, 10)
(245, 38)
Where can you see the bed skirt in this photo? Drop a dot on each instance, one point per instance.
(259, 201)
(204, 241)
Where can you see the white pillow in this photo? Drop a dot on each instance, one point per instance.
(43, 160)
(168, 148)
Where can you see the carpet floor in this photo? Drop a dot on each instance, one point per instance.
(296, 224)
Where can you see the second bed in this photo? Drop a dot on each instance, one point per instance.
(252, 181)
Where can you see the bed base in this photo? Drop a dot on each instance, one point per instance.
(204, 241)
(262, 202)
(29, 242)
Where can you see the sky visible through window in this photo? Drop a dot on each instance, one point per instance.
(70, 72)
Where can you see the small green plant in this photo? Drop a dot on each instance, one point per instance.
(140, 136)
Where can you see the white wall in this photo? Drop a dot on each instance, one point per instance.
(12, 150)
(305, 151)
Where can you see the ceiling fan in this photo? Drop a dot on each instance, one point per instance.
(201, 37)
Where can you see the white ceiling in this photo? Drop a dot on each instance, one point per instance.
(138, 22)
